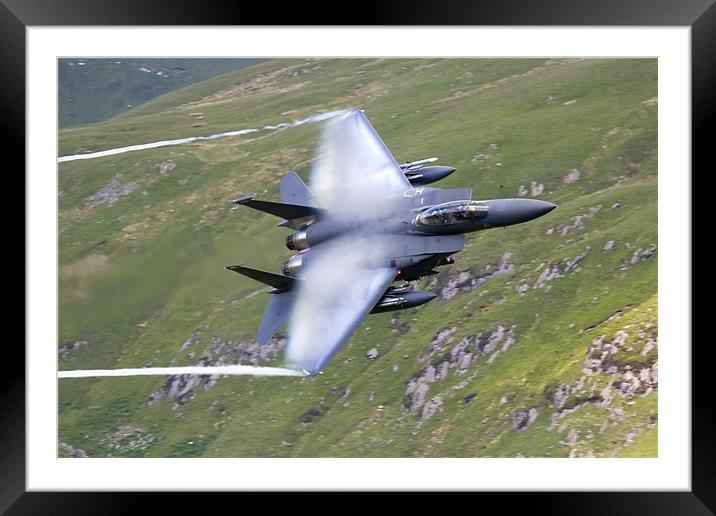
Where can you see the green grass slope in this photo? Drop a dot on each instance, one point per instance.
(542, 342)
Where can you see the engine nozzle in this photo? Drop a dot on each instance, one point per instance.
(292, 265)
(297, 241)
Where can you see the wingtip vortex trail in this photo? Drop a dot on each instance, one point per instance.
(233, 370)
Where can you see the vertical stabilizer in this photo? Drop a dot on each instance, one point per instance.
(276, 314)
(294, 191)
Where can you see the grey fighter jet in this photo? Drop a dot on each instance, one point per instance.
(365, 223)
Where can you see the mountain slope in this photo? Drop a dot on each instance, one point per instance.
(92, 90)
(542, 342)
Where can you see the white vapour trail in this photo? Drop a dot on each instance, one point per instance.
(319, 117)
(233, 370)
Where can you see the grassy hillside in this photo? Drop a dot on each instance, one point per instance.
(542, 342)
(92, 90)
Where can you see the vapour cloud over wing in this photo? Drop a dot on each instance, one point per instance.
(353, 169)
(339, 288)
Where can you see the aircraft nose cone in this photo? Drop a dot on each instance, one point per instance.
(527, 209)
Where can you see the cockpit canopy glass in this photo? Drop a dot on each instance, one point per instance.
(454, 212)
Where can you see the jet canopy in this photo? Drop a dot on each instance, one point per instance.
(454, 212)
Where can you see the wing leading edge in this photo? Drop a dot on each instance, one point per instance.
(353, 166)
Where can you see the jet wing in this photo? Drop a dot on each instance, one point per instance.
(336, 293)
(353, 165)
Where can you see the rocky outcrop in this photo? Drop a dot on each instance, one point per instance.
(576, 223)
(111, 192)
(432, 407)
(66, 351)
(572, 176)
(73, 452)
(454, 283)
(639, 255)
(440, 339)
(536, 189)
(182, 388)
(613, 367)
(128, 438)
(521, 420)
(559, 269)
(631, 377)
(459, 359)
(166, 167)
(651, 103)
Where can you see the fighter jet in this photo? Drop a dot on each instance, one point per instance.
(365, 223)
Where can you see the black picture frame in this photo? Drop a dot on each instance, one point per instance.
(700, 15)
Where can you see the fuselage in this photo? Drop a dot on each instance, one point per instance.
(410, 215)
(449, 218)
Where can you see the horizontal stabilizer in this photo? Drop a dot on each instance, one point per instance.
(279, 282)
(280, 209)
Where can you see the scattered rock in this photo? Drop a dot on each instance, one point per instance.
(558, 270)
(166, 167)
(603, 358)
(65, 351)
(111, 192)
(459, 359)
(73, 452)
(128, 438)
(616, 205)
(560, 395)
(441, 338)
(522, 420)
(372, 354)
(572, 435)
(465, 281)
(609, 245)
(536, 189)
(431, 407)
(521, 191)
(651, 103)
(572, 176)
(576, 223)
(639, 254)
(182, 388)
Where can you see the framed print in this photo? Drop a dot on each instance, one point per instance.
(264, 274)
